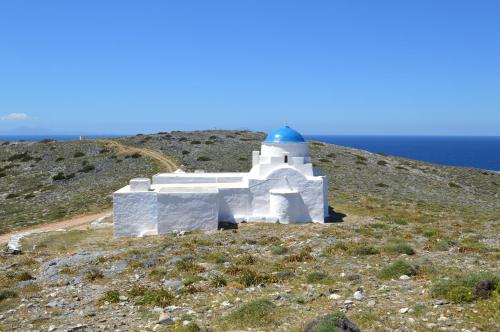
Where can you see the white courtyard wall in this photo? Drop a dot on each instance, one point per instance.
(134, 213)
(233, 202)
(185, 211)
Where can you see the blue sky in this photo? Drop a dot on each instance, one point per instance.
(325, 67)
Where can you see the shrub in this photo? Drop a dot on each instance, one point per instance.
(7, 294)
(217, 257)
(317, 143)
(381, 185)
(362, 249)
(218, 280)
(242, 159)
(316, 276)
(328, 323)
(29, 196)
(134, 155)
(331, 155)
(454, 185)
(400, 248)
(195, 142)
(382, 163)
(87, 169)
(246, 259)
(2, 175)
(213, 137)
(156, 297)
(189, 266)
(112, 296)
(185, 152)
(465, 288)
(323, 160)
(102, 151)
(278, 250)
(78, 154)
(59, 176)
(397, 269)
(10, 196)
(301, 256)
(251, 278)
(252, 314)
(203, 158)
(191, 280)
(59, 159)
(93, 274)
(209, 142)
(460, 294)
(23, 157)
(20, 276)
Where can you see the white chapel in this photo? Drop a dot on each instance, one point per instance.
(282, 187)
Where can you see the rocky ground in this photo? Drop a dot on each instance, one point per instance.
(415, 247)
(47, 181)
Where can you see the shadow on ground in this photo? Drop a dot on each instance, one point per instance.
(334, 216)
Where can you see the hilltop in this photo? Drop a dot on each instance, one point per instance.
(414, 247)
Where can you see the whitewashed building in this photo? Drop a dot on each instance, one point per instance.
(282, 186)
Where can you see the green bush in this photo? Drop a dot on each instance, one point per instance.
(252, 314)
(382, 163)
(59, 176)
(93, 274)
(460, 294)
(251, 278)
(316, 276)
(324, 160)
(400, 248)
(7, 294)
(185, 152)
(10, 196)
(203, 158)
(159, 297)
(78, 154)
(278, 250)
(465, 288)
(195, 142)
(218, 280)
(328, 323)
(397, 269)
(87, 169)
(112, 296)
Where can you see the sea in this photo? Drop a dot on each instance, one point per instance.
(467, 151)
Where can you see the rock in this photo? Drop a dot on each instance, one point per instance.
(441, 302)
(165, 319)
(179, 258)
(483, 289)
(404, 277)
(358, 295)
(123, 298)
(371, 303)
(173, 284)
(352, 277)
(334, 297)
(226, 304)
(51, 328)
(247, 247)
(331, 322)
(403, 310)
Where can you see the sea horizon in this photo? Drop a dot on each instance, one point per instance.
(481, 152)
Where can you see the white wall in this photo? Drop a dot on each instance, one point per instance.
(233, 202)
(185, 211)
(134, 213)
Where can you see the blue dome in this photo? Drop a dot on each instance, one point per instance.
(284, 135)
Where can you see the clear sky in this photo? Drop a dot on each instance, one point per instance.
(323, 67)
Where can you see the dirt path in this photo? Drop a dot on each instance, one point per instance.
(64, 224)
(167, 165)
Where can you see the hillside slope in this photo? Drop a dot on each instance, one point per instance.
(415, 246)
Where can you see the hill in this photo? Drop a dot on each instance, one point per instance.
(415, 245)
